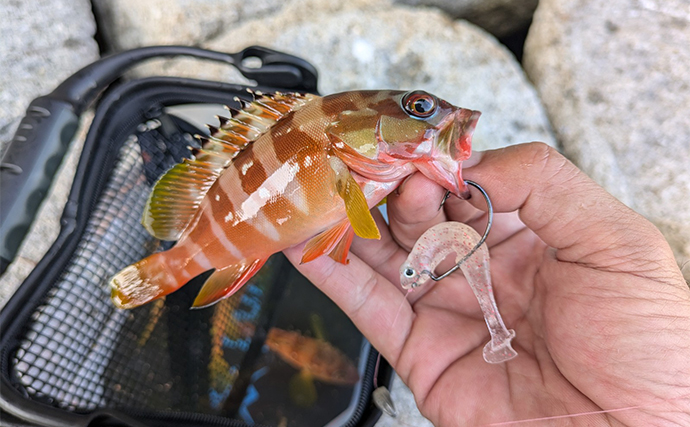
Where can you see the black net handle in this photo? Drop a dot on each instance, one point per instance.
(33, 156)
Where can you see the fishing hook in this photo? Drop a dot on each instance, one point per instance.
(445, 197)
(481, 241)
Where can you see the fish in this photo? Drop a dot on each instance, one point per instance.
(302, 390)
(432, 247)
(284, 169)
(221, 375)
(155, 313)
(317, 358)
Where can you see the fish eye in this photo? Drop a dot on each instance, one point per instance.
(409, 272)
(419, 104)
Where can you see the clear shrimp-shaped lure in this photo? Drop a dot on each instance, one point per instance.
(454, 237)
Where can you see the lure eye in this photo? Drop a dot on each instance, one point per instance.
(419, 104)
(409, 272)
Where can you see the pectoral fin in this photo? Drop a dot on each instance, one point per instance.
(331, 241)
(225, 282)
(356, 205)
(357, 209)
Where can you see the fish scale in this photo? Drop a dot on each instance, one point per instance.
(286, 168)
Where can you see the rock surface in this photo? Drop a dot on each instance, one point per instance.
(377, 48)
(43, 42)
(133, 23)
(408, 414)
(127, 24)
(499, 17)
(614, 78)
(368, 44)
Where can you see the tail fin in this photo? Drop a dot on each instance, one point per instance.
(146, 280)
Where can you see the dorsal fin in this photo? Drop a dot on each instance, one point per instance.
(177, 195)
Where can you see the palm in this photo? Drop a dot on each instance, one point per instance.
(444, 347)
(452, 356)
(589, 326)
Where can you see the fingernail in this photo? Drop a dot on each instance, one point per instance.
(474, 159)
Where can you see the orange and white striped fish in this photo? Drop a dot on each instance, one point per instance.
(286, 168)
(317, 357)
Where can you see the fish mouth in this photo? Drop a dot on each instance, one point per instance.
(464, 124)
(454, 146)
(446, 173)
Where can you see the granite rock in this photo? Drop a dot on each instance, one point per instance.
(43, 42)
(499, 17)
(373, 44)
(615, 79)
(133, 23)
(408, 413)
(128, 24)
(384, 47)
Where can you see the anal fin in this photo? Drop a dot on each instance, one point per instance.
(226, 281)
(328, 241)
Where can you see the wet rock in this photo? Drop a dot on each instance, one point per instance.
(499, 17)
(615, 79)
(43, 42)
(386, 47)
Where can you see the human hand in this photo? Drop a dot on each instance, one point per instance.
(600, 309)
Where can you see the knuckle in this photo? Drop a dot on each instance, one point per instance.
(556, 169)
(542, 154)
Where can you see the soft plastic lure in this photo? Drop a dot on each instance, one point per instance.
(454, 237)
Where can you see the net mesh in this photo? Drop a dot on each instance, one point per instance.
(70, 342)
(79, 353)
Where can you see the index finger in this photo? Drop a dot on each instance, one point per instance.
(565, 208)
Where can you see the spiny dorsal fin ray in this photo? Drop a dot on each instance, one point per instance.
(177, 195)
